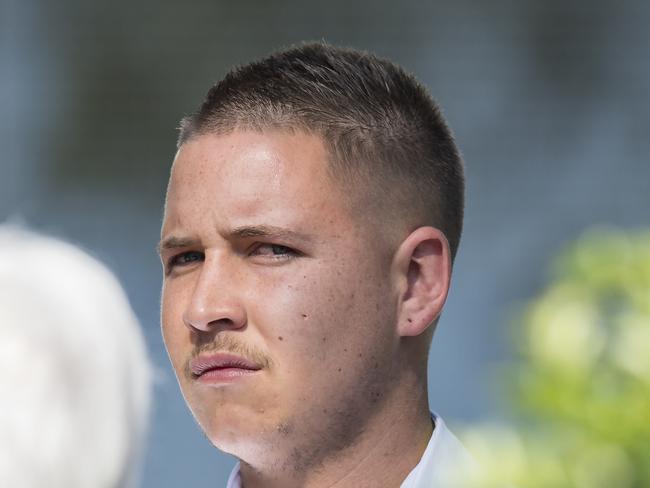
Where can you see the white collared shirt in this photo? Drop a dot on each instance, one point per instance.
(442, 460)
(443, 463)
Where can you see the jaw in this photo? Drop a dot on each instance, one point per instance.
(347, 450)
(318, 435)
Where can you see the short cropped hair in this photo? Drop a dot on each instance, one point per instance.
(382, 129)
(75, 379)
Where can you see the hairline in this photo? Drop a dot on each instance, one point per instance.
(406, 175)
(368, 208)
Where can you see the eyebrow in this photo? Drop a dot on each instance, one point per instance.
(243, 232)
(267, 231)
(174, 242)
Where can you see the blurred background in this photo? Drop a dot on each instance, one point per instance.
(549, 101)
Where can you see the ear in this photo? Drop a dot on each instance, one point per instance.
(422, 265)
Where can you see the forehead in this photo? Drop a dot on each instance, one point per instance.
(276, 178)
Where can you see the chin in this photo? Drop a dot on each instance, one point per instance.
(248, 447)
(255, 441)
(231, 431)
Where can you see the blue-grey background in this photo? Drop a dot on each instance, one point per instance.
(549, 101)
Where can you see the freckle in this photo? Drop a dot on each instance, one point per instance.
(304, 315)
(360, 354)
(345, 350)
(409, 320)
(324, 339)
(280, 338)
(324, 410)
(339, 370)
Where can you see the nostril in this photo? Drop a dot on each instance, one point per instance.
(221, 323)
(230, 315)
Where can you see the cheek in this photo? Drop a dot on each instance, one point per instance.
(322, 310)
(171, 317)
(336, 336)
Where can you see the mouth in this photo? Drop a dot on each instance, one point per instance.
(221, 368)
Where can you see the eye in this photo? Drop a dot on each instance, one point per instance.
(274, 251)
(184, 258)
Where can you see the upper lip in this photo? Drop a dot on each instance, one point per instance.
(201, 364)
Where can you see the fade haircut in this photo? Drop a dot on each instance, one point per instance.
(385, 135)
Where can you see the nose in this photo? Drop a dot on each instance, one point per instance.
(214, 302)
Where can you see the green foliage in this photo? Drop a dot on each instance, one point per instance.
(582, 383)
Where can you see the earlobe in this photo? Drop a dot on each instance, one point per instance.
(423, 261)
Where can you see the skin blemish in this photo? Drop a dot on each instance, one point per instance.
(409, 320)
(304, 315)
(324, 339)
(284, 429)
(280, 338)
(339, 370)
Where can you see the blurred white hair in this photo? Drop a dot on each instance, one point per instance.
(75, 379)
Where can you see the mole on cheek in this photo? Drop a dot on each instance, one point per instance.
(280, 338)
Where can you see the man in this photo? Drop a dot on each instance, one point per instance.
(313, 212)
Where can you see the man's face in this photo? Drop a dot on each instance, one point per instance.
(278, 309)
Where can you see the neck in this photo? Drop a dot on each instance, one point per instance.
(390, 445)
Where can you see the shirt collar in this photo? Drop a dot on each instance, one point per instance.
(442, 460)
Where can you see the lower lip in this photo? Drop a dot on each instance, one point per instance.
(225, 375)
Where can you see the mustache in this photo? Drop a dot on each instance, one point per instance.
(228, 344)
